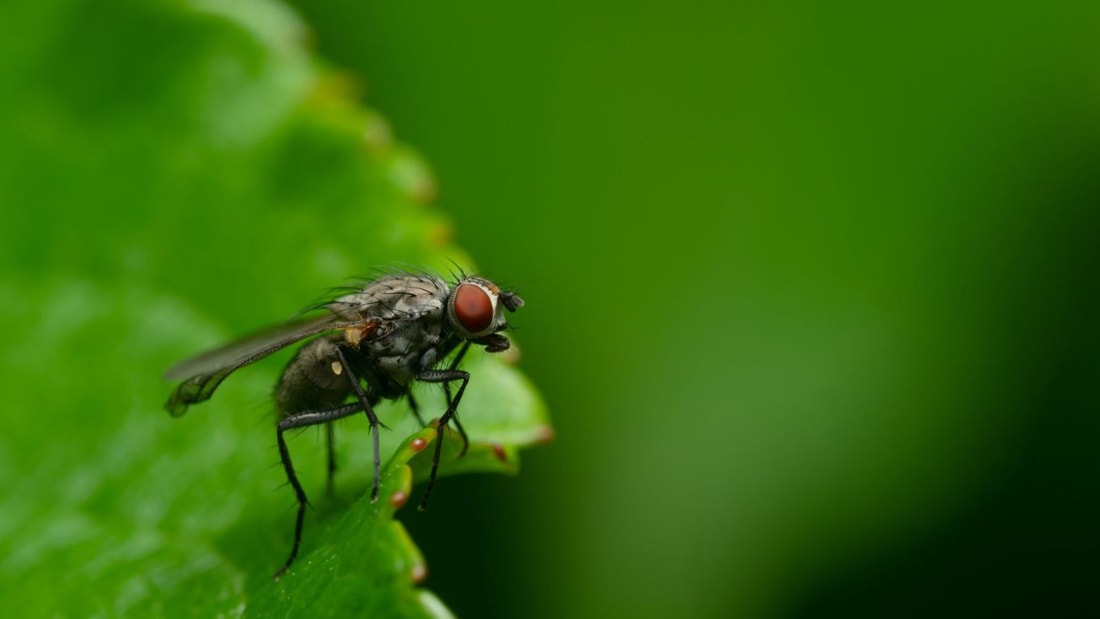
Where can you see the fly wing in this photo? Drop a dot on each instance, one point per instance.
(205, 372)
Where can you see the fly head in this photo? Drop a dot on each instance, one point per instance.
(475, 310)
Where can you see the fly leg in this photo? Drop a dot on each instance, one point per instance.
(445, 377)
(301, 420)
(447, 391)
(458, 424)
(415, 408)
(330, 448)
(365, 404)
(461, 431)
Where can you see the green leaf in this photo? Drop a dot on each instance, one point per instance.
(161, 201)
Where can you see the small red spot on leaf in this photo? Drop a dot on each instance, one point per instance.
(418, 444)
(544, 434)
(397, 499)
(499, 452)
(418, 573)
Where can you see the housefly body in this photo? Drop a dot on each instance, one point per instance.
(370, 344)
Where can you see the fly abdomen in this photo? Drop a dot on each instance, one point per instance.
(313, 380)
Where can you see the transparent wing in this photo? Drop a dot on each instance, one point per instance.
(205, 372)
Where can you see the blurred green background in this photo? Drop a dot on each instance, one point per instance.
(811, 287)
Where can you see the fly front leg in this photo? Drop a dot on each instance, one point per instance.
(447, 392)
(494, 342)
(301, 420)
(415, 408)
(445, 377)
(458, 424)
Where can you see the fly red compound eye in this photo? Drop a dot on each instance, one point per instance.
(473, 308)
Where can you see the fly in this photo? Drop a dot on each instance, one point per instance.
(371, 344)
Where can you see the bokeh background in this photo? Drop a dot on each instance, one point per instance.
(811, 292)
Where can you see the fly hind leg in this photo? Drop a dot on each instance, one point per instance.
(330, 451)
(301, 420)
(317, 381)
